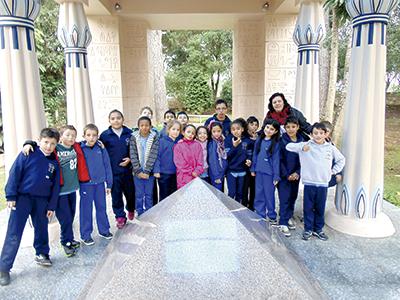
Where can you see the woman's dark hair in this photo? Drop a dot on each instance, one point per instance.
(203, 127)
(274, 138)
(214, 124)
(143, 118)
(116, 111)
(285, 103)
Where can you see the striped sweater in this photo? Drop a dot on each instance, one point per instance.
(150, 154)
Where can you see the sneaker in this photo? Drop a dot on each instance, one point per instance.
(321, 235)
(285, 230)
(107, 236)
(5, 278)
(88, 242)
(291, 224)
(75, 244)
(307, 235)
(69, 249)
(121, 221)
(43, 260)
(131, 215)
(273, 222)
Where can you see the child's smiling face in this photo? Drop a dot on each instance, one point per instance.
(291, 129)
(116, 120)
(202, 135)
(318, 135)
(236, 130)
(189, 133)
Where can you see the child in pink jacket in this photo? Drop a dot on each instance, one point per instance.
(188, 157)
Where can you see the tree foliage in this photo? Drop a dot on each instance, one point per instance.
(197, 92)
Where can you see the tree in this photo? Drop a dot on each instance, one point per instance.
(393, 50)
(197, 92)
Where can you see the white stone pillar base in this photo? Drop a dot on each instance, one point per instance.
(378, 227)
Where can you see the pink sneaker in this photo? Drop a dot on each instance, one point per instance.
(131, 215)
(121, 221)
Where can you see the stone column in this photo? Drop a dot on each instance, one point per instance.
(21, 95)
(74, 35)
(359, 198)
(308, 34)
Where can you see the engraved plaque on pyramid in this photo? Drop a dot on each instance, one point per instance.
(199, 244)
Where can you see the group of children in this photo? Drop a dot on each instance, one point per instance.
(45, 176)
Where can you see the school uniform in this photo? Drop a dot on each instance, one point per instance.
(316, 171)
(100, 172)
(236, 169)
(217, 164)
(34, 183)
(118, 148)
(143, 154)
(266, 167)
(288, 189)
(164, 165)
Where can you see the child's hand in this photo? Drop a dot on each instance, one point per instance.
(253, 174)
(27, 149)
(49, 213)
(276, 182)
(108, 191)
(248, 162)
(194, 174)
(306, 147)
(11, 204)
(125, 162)
(142, 175)
(157, 175)
(217, 181)
(293, 177)
(339, 178)
(236, 142)
(100, 143)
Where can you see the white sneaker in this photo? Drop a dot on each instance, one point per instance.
(291, 224)
(285, 230)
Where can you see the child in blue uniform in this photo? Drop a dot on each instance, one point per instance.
(116, 140)
(265, 168)
(169, 116)
(164, 167)
(221, 108)
(202, 138)
(238, 157)
(217, 155)
(32, 189)
(100, 173)
(143, 148)
(288, 186)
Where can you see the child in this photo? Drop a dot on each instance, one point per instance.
(183, 118)
(116, 141)
(32, 189)
(249, 190)
(288, 187)
(188, 157)
(316, 158)
(169, 116)
(221, 108)
(335, 178)
(100, 172)
(265, 168)
(239, 157)
(164, 167)
(217, 155)
(143, 147)
(202, 138)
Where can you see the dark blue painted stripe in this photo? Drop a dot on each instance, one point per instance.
(382, 34)
(15, 37)
(84, 60)
(69, 60)
(2, 42)
(358, 42)
(78, 63)
(307, 57)
(28, 39)
(315, 57)
(370, 33)
(301, 57)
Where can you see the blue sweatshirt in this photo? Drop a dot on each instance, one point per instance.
(117, 148)
(98, 163)
(290, 162)
(264, 162)
(216, 168)
(35, 175)
(226, 124)
(237, 155)
(165, 157)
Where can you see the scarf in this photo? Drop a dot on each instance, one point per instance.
(279, 116)
(220, 149)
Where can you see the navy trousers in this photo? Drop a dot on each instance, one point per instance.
(235, 187)
(219, 186)
(123, 185)
(166, 185)
(249, 191)
(287, 191)
(144, 194)
(65, 213)
(314, 207)
(265, 196)
(93, 193)
(26, 205)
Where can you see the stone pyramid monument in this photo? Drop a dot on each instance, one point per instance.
(199, 244)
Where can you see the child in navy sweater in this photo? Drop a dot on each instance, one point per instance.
(169, 116)
(217, 155)
(265, 168)
(239, 157)
(143, 148)
(116, 140)
(164, 167)
(288, 186)
(32, 189)
(100, 172)
(202, 138)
